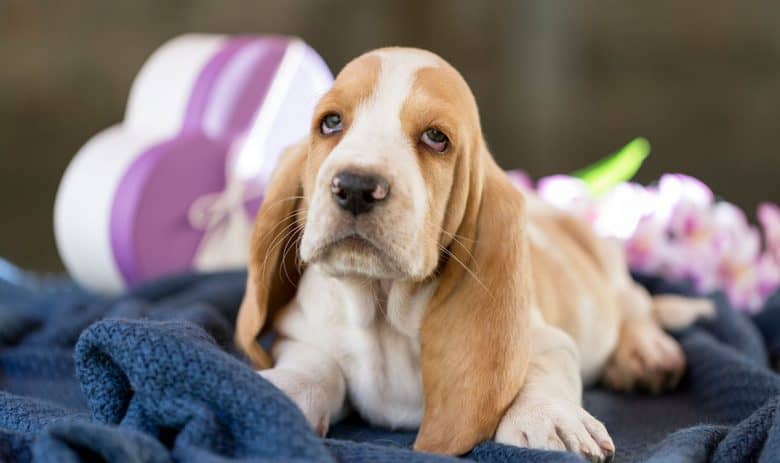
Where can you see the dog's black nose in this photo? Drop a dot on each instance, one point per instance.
(358, 193)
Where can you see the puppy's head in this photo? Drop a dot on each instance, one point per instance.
(395, 183)
(384, 145)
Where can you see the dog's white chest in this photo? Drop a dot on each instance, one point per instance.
(382, 368)
(372, 333)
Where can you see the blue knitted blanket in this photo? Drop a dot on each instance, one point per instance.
(151, 376)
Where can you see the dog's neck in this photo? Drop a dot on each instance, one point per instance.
(399, 303)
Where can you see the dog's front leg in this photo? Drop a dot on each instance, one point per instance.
(547, 413)
(311, 378)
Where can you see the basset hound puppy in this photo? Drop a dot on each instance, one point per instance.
(408, 280)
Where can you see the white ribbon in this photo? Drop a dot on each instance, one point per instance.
(228, 228)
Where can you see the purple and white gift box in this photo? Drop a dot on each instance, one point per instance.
(176, 185)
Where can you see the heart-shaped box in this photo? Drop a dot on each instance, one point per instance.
(176, 185)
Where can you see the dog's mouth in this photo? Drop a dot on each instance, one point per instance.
(351, 243)
(354, 254)
(355, 243)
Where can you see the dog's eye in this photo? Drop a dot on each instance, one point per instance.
(331, 123)
(435, 140)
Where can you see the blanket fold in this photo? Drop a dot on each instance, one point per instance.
(151, 376)
(169, 380)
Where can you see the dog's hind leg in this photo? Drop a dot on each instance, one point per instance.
(645, 356)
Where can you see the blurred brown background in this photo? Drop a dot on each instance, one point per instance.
(560, 83)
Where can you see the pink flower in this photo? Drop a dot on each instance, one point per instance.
(674, 189)
(678, 231)
(768, 269)
(521, 180)
(739, 246)
(738, 269)
(692, 223)
(741, 286)
(693, 251)
(679, 187)
(570, 194)
(621, 209)
(769, 217)
(734, 233)
(647, 248)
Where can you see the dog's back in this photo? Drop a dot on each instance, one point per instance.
(576, 280)
(582, 285)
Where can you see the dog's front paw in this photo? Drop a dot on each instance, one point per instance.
(309, 396)
(551, 424)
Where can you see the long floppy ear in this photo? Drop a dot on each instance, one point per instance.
(474, 342)
(273, 273)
